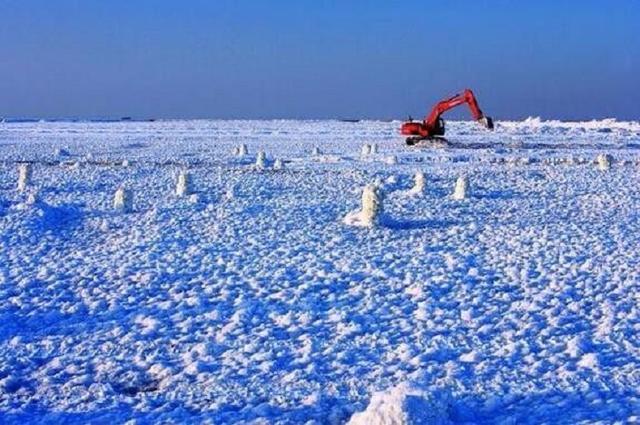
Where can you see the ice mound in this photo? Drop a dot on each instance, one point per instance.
(242, 150)
(405, 404)
(261, 160)
(419, 184)
(372, 210)
(461, 189)
(123, 200)
(183, 186)
(24, 176)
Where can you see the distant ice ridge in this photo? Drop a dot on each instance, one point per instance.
(598, 125)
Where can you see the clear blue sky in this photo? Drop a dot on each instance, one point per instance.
(317, 59)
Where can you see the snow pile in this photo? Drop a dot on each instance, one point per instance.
(278, 164)
(405, 404)
(365, 150)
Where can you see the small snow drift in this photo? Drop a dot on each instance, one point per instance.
(404, 404)
(24, 176)
(32, 198)
(39, 217)
(278, 164)
(604, 161)
(123, 200)
(183, 186)
(371, 211)
(462, 186)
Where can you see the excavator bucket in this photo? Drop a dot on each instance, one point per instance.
(487, 122)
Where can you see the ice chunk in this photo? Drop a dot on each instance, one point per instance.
(404, 404)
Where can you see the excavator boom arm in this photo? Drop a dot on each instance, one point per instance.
(441, 107)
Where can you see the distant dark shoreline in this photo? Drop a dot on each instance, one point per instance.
(9, 120)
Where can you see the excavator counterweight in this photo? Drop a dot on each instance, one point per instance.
(433, 125)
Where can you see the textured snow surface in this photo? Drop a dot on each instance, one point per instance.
(250, 300)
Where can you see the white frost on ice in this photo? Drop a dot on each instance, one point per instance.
(266, 308)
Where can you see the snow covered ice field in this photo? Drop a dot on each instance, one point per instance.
(253, 302)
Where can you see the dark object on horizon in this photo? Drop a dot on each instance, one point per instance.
(349, 120)
(125, 119)
(20, 120)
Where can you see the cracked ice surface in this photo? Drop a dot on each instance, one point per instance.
(519, 304)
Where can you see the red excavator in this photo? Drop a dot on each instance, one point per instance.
(433, 125)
